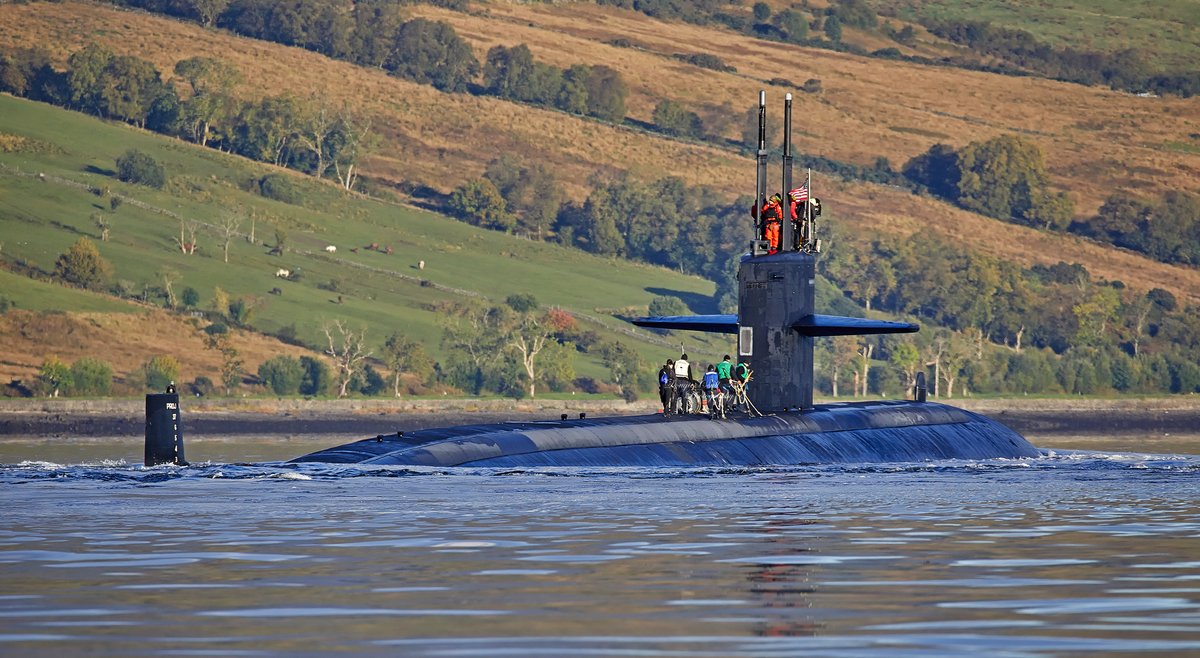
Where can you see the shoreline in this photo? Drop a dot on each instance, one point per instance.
(64, 418)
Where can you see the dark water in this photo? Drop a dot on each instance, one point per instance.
(1070, 554)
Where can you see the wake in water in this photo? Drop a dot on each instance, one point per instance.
(121, 471)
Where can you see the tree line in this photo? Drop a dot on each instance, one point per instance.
(198, 104)
(1013, 330)
(1125, 69)
(1005, 177)
(377, 34)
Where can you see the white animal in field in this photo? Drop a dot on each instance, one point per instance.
(331, 249)
(420, 265)
(282, 273)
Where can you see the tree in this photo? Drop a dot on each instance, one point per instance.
(1005, 177)
(317, 379)
(674, 119)
(432, 53)
(128, 88)
(82, 265)
(573, 95)
(232, 365)
(841, 357)
(266, 130)
(53, 377)
(348, 350)
(349, 142)
(91, 377)
(282, 374)
(210, 82)
(623, 366)
(833, 28)
(170, 276)
(137, 167)
(160, 371)
(606, 93)
(906, 359)
(405, 355)
(793, 25)
(190, 297)
(937, 169)
(227, 230)
(509, 72)
(527, 335)
(762, 11)
(480, 203)
(85, 70)
(473, 334)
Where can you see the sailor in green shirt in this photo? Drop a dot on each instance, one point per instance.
(724, 370)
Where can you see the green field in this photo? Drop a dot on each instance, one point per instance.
(46, 205)
(1166, 31)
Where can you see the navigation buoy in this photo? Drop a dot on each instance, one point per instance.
(164, 429)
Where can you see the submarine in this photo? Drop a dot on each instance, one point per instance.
(775, 327)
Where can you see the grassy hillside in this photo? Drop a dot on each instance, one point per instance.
(1095, 140)
(47, 204)
(1165, 30)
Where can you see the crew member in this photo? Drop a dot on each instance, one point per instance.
(724, 372)
(771, 216)
(741, 375)
(683, 382)
(712, 391)
(665, 385)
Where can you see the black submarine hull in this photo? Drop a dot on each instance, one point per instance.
(863, 432)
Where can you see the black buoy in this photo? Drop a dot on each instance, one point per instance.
(164, 429)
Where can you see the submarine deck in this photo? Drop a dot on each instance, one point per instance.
(858, 432)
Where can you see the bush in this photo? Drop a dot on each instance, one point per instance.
(159, 372)
(280, 188)
(83, 266)
(317, 379)
(6, 303)
(282, 374)
(137, 167)
(90, 377)
(216, 329)
(201, 386)
(661, 305)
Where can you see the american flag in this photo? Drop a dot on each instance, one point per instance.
(799, 194)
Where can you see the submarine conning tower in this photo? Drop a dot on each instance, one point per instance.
(777, 321)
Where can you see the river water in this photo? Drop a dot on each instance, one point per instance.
(1070, 554)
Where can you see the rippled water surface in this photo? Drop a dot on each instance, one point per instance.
(1070, 554)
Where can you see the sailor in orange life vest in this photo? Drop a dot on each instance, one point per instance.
(772, 217)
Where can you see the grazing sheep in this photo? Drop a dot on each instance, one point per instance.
(420, 265)
(282, 273)
(331, 249)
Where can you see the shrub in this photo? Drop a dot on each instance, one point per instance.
(280, 188)
(159, 372)
(282, 374)
(216, 329)
(317, 378)
(90, 377)
(662, 305)
(83, 266)
(201, 386)
(137, 167)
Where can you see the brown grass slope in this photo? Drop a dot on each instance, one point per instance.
(127, 338)
(1095, 140)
